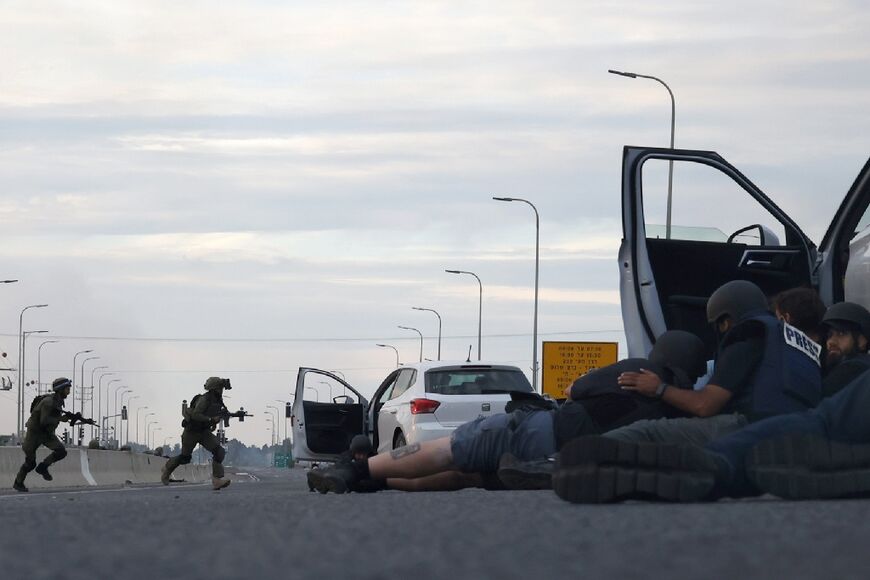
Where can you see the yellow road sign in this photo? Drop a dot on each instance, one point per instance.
(564, 362)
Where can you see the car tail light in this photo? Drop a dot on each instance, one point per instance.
(419, 406)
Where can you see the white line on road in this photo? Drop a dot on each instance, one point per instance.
(87, 491)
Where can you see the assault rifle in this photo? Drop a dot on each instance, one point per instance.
(240, 415)
(74, 418)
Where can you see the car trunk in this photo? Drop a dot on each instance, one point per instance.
(455, 410)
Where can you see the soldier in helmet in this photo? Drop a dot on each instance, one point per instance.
(46, 413)
(201, 418)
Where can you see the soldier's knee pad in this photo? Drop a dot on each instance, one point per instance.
(184, 459)
(219, 454)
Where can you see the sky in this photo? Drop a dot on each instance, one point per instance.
(243, 188)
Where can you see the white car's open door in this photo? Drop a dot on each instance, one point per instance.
(324, 421)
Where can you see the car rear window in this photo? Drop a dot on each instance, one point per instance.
(476, 381)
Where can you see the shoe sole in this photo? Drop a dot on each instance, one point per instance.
(326, 483)
(515, 474)
(808, 467)
(602, 470)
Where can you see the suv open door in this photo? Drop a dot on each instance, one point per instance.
(724, 228)
(323, 430)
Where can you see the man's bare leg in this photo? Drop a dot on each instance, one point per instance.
(413, 461)
(444, 481)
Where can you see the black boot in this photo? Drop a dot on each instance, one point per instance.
(535, 474)
(42, 469)
(340, 478)
(19, 483)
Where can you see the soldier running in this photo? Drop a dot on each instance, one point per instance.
(201, 417)
(46, 413)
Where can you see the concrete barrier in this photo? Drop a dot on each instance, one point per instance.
(88, 467)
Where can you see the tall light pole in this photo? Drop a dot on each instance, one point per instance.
(21, 363)
(272, 421)
(108, 401)
(127, 432)
(24, 336)
(286, 434)
(479, 306)
(316, 393)
(123, 389)
(277, 424)
(537, 264)
(73, 389)
(328, 386)
(673, 122)
(93, 371)
(137, 421)
(39, 365)
(421, 338)
(82, 382)
(392, 347)
(148, 430)
(439, 325)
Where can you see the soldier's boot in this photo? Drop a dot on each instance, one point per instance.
(166, 474)
(218, 483)
(18, 485)
(42, 469)
(516, 474)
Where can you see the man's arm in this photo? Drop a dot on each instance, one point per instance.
(703, 403)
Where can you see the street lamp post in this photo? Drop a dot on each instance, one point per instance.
(479, 306)
(328, 386)
(316, 393)
(673, 122)
(537, 264)
(272, 421)
(73, 389)
(286, 434)
(421, 338)
(115, 412)
(148, 431)
(82, 383)
(93, 371)
(137, 421)
(39, 365)
(392, 347)
(21, 363)
(108, 401)
(127, 432)
(277, 424)
(439, 325)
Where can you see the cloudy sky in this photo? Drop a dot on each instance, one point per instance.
(243, 188)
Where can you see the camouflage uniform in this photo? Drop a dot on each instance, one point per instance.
(201, 420)
(43, 421)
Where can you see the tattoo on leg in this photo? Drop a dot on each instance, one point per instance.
(405, 451)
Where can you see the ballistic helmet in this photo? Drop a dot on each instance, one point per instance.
(678, 349)
(360, 444)
(60, 384)
(735, 299)
(213, 383)
(848, 316)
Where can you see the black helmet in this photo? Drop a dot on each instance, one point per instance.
(213, 383)
(735, 299)
(678, 349)
(848, 316)
(60, 384)
(360, 444)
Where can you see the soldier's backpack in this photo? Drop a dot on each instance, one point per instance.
(36, 400)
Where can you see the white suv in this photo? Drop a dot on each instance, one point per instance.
(414, 403)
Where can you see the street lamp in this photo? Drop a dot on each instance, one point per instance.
(439, 325)
(73, 389)
(25, 334)
(673, 119)
(329, 386)
(137, 421)
(316, 393)
(479, 305)
(272, 421)
(150, 434)
(21, 363)
(276, 419)
(109, 384)
(39, 365)
(421, 338)
(286, 434)
(537, 264)
(130, 400)
(392, 347)
(122, 389)
(82, 383)
(93, 371)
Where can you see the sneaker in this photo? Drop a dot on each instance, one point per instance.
(19, 486)
(805, 466)
(597, 469)
(218, 483)
(516, 474)
(339, 478)
(42, 469)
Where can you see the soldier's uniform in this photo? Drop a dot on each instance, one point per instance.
(44, 418)
(200, 421)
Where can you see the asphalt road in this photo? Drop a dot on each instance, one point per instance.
(270, 526)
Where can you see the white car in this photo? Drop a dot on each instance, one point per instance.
(416, 402)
